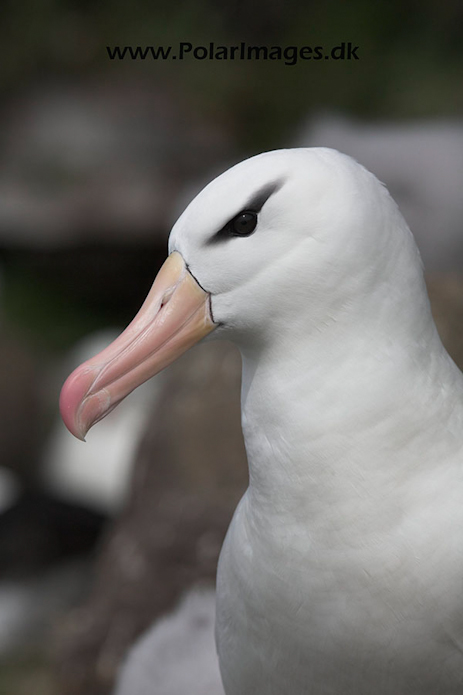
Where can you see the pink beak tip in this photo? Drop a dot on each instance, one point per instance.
(72, 394)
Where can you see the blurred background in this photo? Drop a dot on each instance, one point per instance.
(97, 159)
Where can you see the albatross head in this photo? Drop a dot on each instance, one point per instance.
(276, 244)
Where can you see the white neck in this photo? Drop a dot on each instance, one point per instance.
(347, 425)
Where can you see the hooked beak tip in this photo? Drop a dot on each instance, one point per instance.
(80, 435)
(73, 396)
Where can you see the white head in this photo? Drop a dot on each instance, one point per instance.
(290, 238)
(326, 230)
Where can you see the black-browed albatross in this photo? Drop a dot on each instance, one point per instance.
(342, 570)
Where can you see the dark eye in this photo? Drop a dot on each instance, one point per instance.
(243, 224)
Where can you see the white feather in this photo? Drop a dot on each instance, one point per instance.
(342, 570)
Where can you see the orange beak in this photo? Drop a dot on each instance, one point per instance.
(175, 315)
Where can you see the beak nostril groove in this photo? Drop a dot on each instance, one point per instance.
(166, 297)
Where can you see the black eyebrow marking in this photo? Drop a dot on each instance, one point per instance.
(254, 204)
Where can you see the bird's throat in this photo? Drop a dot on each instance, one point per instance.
(337, 439)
